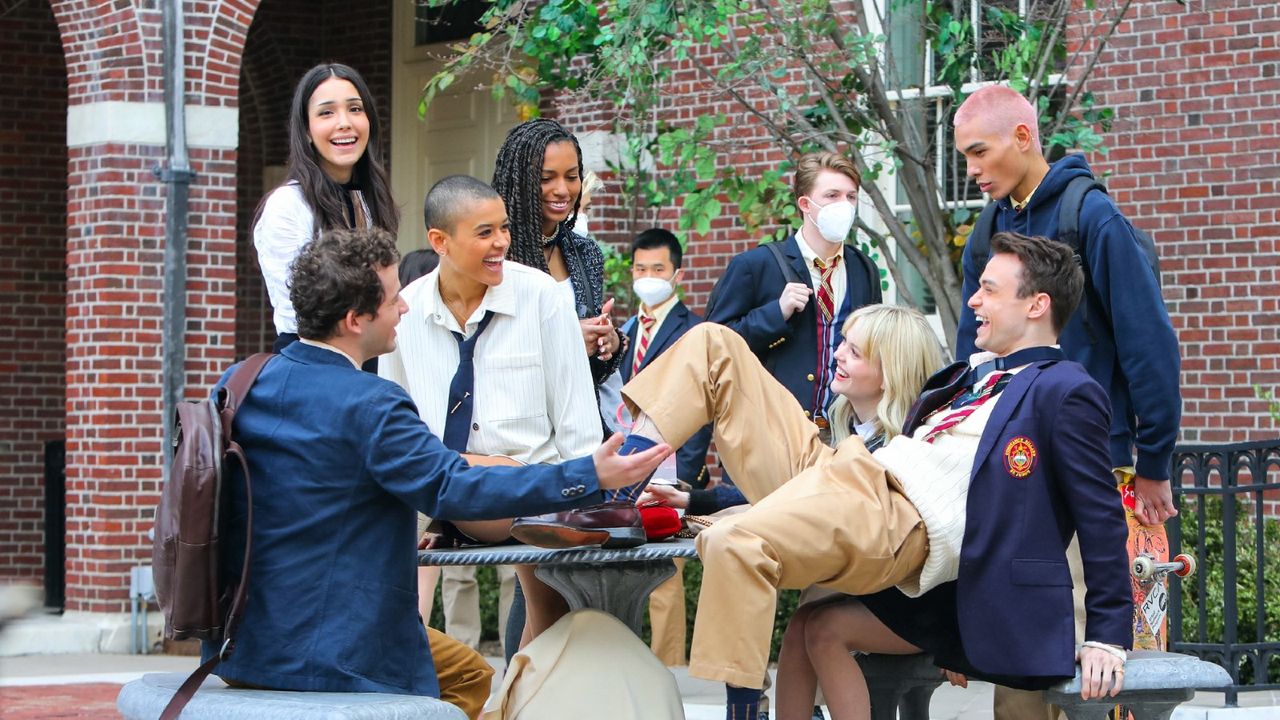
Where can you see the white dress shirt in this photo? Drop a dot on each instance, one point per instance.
(287, 224)
(534, 398)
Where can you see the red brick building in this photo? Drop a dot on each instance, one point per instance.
(1194, 160)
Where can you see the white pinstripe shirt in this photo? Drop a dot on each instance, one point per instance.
(534, 399)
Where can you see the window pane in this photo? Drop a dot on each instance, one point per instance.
(457, 21)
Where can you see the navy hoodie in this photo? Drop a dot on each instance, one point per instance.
(1130, 347)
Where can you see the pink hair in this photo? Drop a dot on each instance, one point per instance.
(1001, 109)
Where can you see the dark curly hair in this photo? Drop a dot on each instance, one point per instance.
(1048, 267)
(336, 273)
(517, 176)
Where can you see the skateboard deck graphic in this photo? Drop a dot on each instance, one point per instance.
(1150, 597)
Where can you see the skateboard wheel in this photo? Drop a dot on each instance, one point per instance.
(1188, 565)
(1143, 567)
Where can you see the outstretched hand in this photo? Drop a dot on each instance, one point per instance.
(617, 471)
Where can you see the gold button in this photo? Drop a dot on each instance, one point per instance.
(810, 377)
(808, 414)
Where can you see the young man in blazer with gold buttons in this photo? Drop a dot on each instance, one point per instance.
(780, 304)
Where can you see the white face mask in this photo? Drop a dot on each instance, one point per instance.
(652, 290)
(580, 225)
(835, 220)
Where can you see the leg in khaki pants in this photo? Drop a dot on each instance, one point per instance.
(463, 673)
(791, 537)
(667, 619)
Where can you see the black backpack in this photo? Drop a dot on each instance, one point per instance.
(189, 524)
(1069, 207)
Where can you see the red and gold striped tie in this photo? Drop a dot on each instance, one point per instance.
(826, 296)
(988, 390)
(642, 344)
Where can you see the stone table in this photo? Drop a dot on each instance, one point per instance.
(615, 581)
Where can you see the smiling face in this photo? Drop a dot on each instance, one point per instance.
(998, 159)
(561, 184)
(1004, 319)
(378, 331)
(474, 250)
(857, 377)
(338, 127)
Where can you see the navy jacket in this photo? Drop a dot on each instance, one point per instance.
(691, 458)
(1041, 474)
(746, 299)
(1132, 351)
(340, 462)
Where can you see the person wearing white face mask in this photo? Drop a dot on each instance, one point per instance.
(790, 305)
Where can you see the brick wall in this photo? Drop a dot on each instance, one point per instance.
(1196, 163)
(33, 203)
(282, 46)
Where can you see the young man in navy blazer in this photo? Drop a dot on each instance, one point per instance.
(791, 318)
(964, 518)
(340, 462)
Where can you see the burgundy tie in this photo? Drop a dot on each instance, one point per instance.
(988, 390)
(646, 326)
(826, 296)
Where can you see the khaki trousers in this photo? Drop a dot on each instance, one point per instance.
(819, 516)
(460, 594)
(667, 619)
(464, 674)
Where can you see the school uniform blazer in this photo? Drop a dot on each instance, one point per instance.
(1042, 472)
(340, 462)
(746, 299)
(691, 458)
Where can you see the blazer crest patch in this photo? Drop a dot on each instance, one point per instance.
(1020, 456)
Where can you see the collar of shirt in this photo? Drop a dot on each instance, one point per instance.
(659, 314)
(982, 356)
(330, 348)
(500, 298)
(809, 255)
(1018, 206)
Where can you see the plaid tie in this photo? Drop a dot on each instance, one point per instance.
(826, 296)
(968, 402)
(646, 328)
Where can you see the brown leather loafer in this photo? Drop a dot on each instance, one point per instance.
(609, 525)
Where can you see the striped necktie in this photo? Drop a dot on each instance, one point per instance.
(826, 296)
(968, 402)
(642, 345)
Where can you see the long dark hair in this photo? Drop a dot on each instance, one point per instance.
(517, 176)
(323, 195)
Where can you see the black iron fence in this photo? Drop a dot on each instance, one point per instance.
(1229, 611)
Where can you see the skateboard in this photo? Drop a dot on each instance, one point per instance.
(1150, 567)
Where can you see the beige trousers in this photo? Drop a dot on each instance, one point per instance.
(819, 516)
(667, 619)
(460, 593)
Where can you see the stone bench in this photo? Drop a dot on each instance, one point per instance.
(144, 699)
(614, 581)
(1155, 683)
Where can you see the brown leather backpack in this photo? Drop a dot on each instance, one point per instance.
(189, 524)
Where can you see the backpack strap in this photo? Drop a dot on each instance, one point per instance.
(227, 401)
(1069, 206)
(788, 273)
(979, 241)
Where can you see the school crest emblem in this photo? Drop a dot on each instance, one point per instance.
(1020, 457)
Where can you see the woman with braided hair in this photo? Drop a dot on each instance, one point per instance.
(539, 175)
